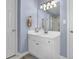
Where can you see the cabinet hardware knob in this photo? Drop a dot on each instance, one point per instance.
(71, 31)
(37, 43)
(48, 41)
(13, 30)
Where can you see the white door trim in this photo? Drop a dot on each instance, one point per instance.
(16, 27)
(67, 29)
(68, 26)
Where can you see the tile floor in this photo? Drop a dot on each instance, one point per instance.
(29, 56)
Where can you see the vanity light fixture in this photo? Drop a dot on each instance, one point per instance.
(48, 5)
(53, 3)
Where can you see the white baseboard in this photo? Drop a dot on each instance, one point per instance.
(20, 55)
(61, 57)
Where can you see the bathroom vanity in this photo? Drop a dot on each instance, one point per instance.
(44, 45)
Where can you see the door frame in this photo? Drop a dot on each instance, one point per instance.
(16, 27)
(69, 4)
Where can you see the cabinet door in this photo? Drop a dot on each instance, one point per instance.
(47, 49)
(34, 45)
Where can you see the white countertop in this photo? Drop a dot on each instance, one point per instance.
(50, 34)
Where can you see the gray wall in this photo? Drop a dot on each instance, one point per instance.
(27, 8)
(63, 28)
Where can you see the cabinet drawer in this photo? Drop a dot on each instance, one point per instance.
(34, 38)
(34, 47)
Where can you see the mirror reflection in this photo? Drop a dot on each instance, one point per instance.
(49, 15)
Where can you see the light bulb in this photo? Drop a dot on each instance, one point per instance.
(55, 5)
(52, 2)
(44, 5)
(41, 7)
(47, 7)
(44, 9)
(51, 6)
(48, 4)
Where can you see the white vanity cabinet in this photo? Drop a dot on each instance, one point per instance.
(34, 45)
(43, 47)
